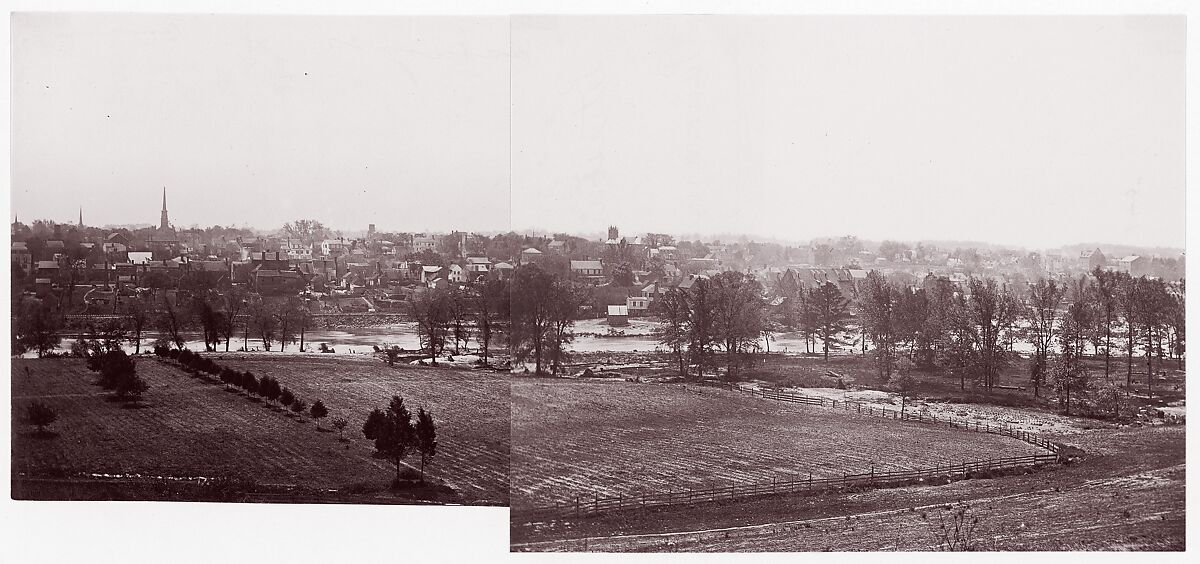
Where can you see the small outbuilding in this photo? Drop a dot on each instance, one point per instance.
(618, 315)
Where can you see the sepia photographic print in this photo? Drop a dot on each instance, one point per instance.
(848, 284)
(264, 275)
(649, 283)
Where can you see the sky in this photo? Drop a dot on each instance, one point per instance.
(1032, 131)
(253, 120)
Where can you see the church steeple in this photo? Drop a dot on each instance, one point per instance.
(162, 223)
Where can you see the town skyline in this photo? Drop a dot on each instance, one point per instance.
(598, 234)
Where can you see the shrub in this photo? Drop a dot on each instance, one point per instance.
(286, 397)
(249, 383)
(161, 350)
(376, 419)
(114, 366)
(40, 415)
(229, 376)
(298, 405)
(269, 388)
(318, 411)
(340, 423)
(131, 386)
(426, 438)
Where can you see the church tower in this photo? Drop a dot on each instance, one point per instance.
(162, 223)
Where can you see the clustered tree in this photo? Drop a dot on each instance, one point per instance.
(396, 436)
(118, 373)
(710, 316)
(544, 308)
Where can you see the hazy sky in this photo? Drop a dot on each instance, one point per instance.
(398, 121)
(1036, 131)
(1020, 130)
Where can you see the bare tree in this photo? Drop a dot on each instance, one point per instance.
(672, 307)
(566, 298)
(431, 309)
(738, 312)
(990, 311)
(173, 320)
(490, 301)
(139, 318)
(1041, 312)
(264, 320)
(1105, 305)
(532, 302)
(236, 301)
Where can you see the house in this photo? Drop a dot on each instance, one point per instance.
(478, 265)
(323, 271)
(295, 250)
(117, 238)
(213, 272)
(587, 268)
(559, 247)
(637, 305)
(653, 290)
(690, 281)
(503, 270)
(858, 277)
(431, 272)
(114, 247)
(140, 257)
(1134, 265)
(422, 242)
(276, 260)
(457, 274)
(530, 255)
(269, 281)
(21, 256)
(333, 247)
(618, 315)
(47, 269)
(1093, 259)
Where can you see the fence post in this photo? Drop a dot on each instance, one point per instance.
(810, 480)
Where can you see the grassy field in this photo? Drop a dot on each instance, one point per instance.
(187, 427)
(615, 437)
(1127, 493)
(471, 408)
